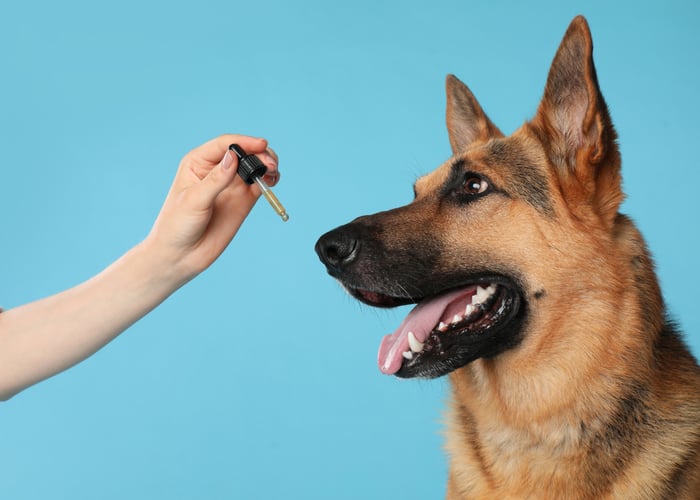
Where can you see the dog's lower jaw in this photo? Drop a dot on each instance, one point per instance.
(454, 353)
(454, 327)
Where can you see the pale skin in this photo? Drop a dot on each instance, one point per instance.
(202, 212)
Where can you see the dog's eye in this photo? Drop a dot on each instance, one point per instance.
(474, 185)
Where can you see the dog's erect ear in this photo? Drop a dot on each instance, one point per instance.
(574, 122)
(466, 121)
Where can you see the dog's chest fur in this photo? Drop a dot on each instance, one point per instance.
(625, 449)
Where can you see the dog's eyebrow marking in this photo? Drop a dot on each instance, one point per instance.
(459, 166)
(524, 179)
(457, 170)
(456, 175)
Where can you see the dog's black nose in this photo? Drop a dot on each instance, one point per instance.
(337, 248)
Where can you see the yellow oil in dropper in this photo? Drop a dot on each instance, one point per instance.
(270, 196)
(251, 170)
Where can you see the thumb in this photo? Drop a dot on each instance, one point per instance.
(216, 181)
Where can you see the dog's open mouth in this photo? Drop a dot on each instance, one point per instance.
(448, 330)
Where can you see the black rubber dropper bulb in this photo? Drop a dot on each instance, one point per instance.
(251, 170)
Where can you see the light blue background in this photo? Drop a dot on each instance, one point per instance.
(259, 378)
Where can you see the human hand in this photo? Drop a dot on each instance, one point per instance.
(207, 203)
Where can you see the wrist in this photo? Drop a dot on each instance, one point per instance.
(159, 265)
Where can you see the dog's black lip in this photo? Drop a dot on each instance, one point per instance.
(380, 299)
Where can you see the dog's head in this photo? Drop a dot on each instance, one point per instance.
(506, 224)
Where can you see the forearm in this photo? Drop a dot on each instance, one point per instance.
(45, 337)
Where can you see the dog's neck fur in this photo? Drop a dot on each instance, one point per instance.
(500, 408)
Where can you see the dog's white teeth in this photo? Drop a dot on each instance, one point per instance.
(457, 318)
(442, 326)
(414, 343)
(408, 355)
(469, 310)
(482, 294)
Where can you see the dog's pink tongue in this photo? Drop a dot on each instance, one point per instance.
(421, 321)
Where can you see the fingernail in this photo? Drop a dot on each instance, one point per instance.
(227, 161)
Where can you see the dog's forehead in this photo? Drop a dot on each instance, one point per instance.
(434, 180)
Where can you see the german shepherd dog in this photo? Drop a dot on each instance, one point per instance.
(539, 300)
